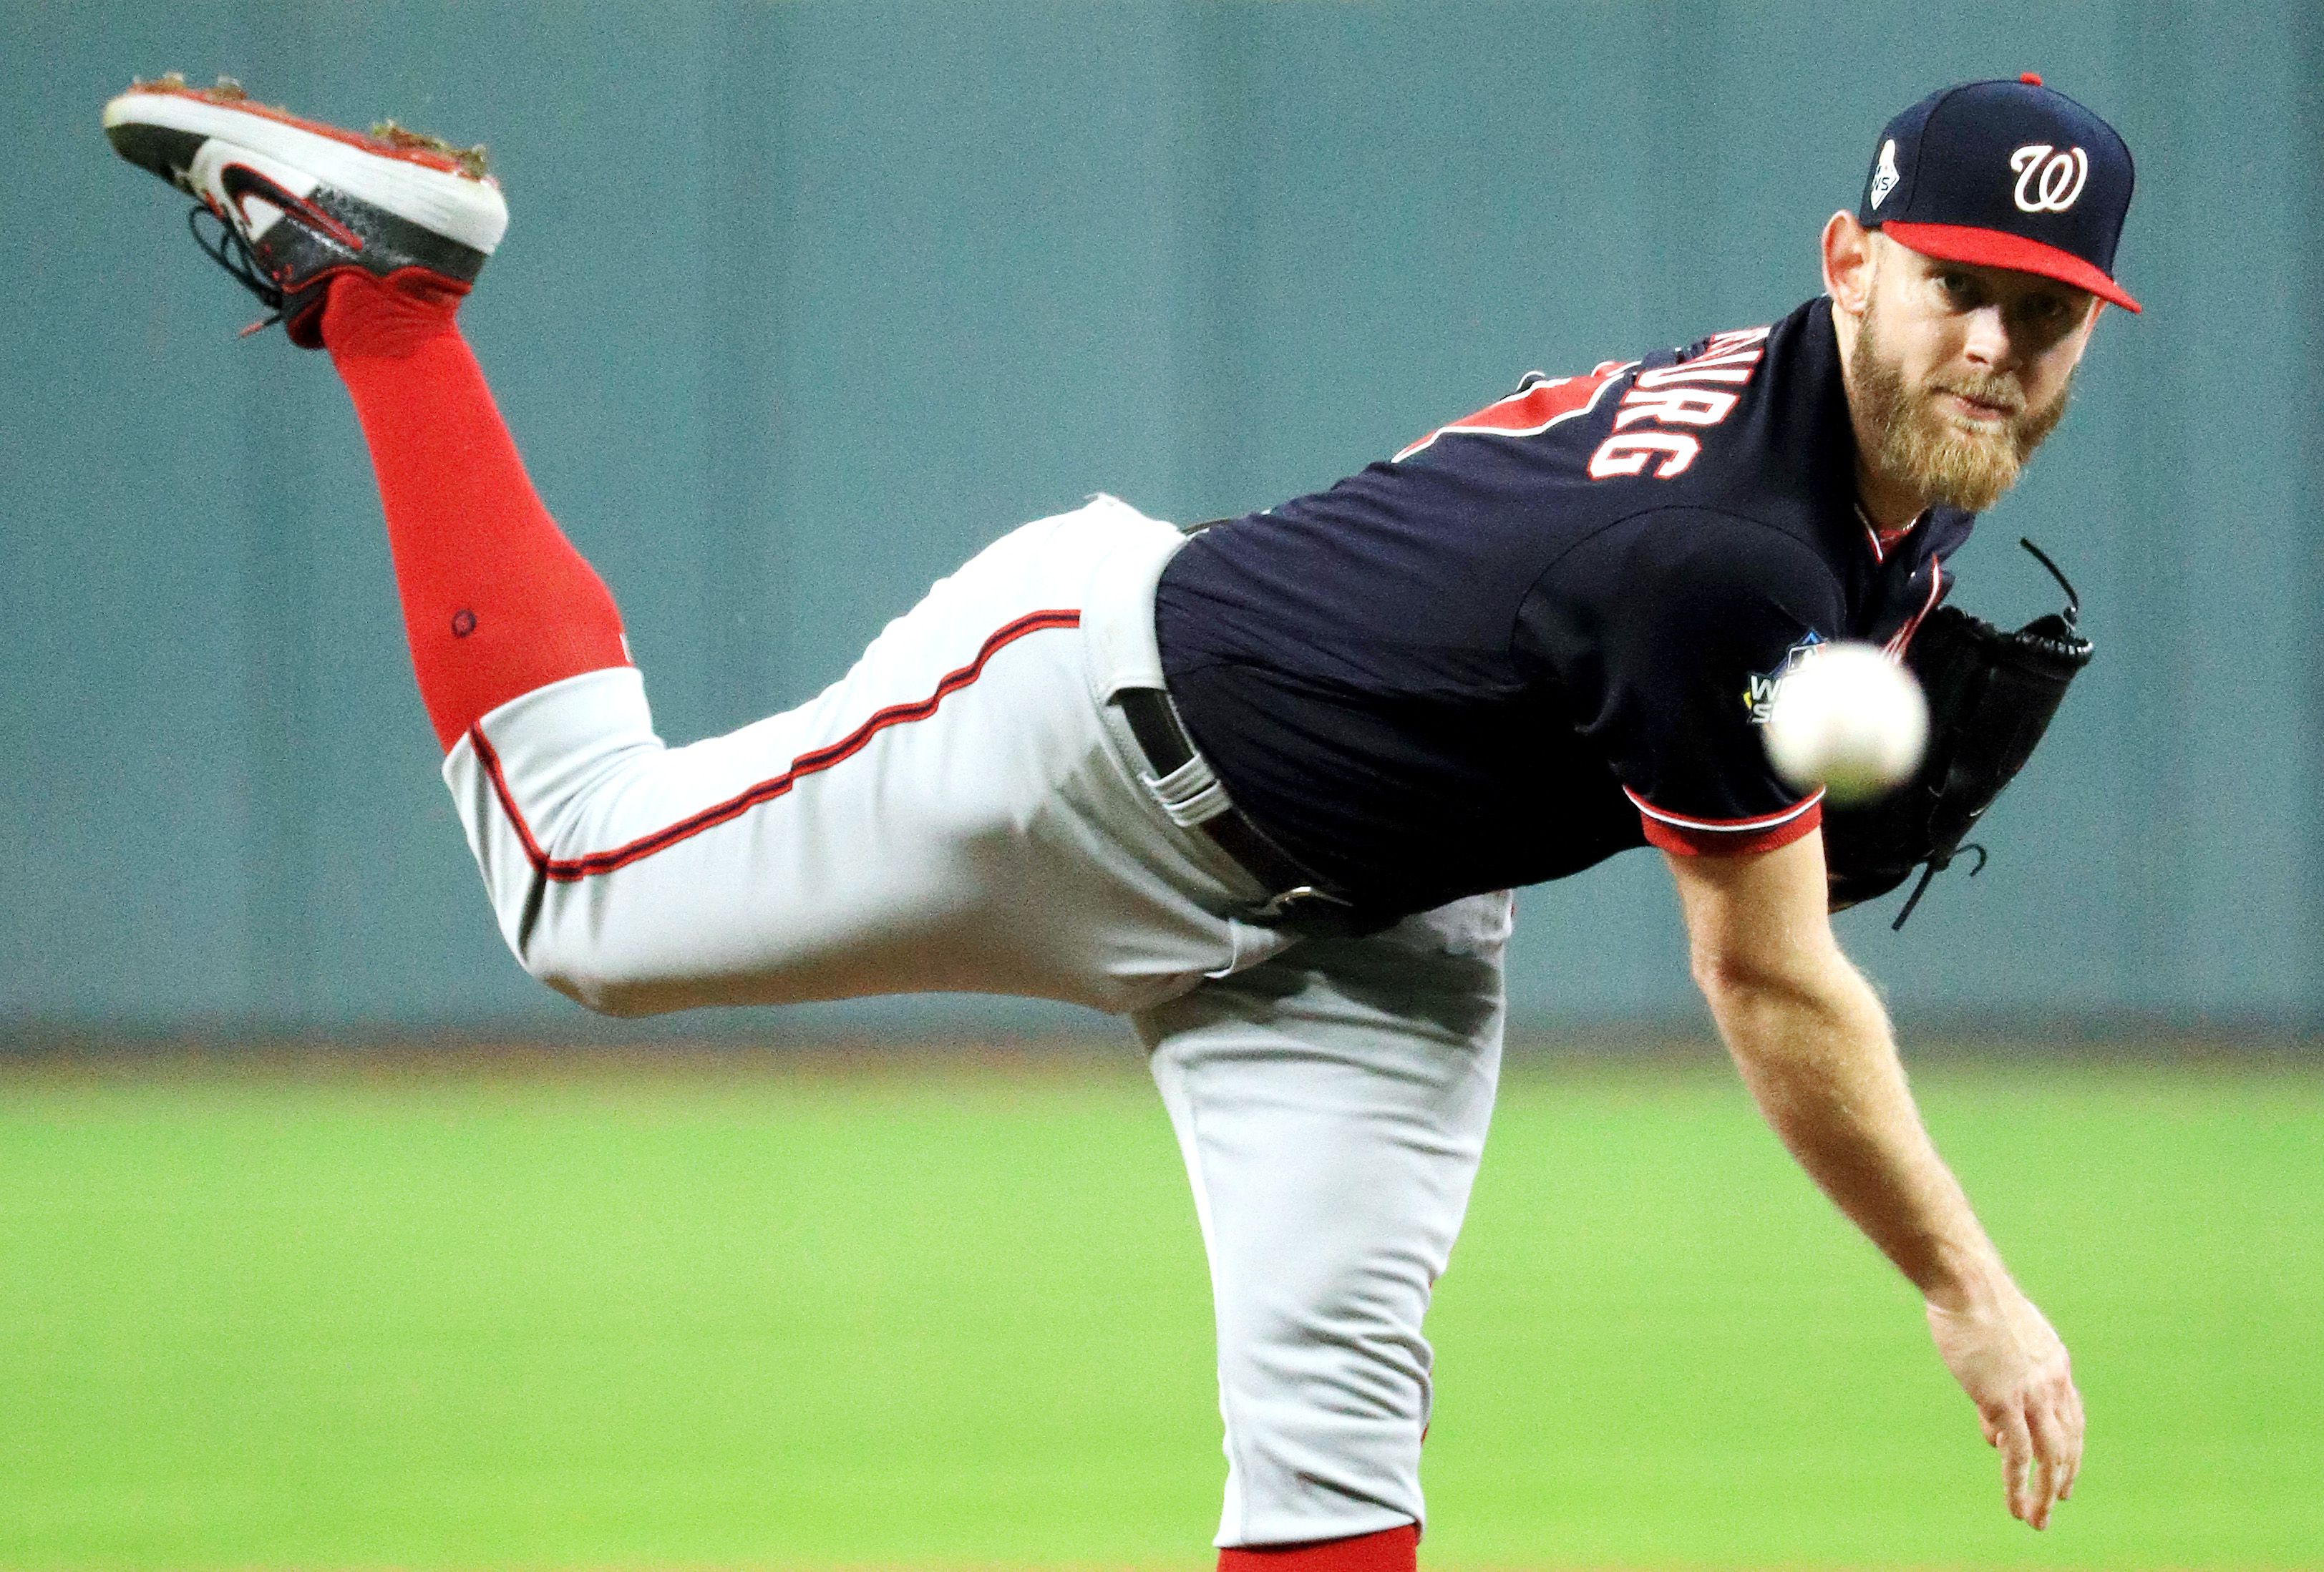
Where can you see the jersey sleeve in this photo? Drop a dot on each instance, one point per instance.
(1668, 634)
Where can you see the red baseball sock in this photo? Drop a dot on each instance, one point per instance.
(1388, 1550)
(496, 603)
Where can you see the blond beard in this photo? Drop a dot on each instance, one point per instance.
(1920, 447)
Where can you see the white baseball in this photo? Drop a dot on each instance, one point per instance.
(1849, 719)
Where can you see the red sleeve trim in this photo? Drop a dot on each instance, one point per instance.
(1689, 837)
(1732, 841)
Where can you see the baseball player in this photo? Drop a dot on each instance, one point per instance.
(1263, 786)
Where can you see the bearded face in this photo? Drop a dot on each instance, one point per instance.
(1927, 444)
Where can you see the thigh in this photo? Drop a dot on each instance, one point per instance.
(949, 816)
(1332, 1106)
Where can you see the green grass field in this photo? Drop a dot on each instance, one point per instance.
(814, 1320)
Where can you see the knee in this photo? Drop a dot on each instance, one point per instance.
(1346, 1335)
(583, 961)
(621, 997)
(1372, 1364)
(598, 988)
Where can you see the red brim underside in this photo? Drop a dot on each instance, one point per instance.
(1994, 248)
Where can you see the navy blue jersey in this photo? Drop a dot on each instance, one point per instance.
(1548, 632)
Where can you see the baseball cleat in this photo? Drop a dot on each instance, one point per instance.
(297, 203)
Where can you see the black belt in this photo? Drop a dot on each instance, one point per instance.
(1296, 899)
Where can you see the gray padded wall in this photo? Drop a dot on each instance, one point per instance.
(803, 302)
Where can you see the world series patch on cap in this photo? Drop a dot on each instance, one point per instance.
(2005, 174)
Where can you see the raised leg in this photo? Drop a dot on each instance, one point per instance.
(496, 603)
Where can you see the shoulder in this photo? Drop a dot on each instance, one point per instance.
(1687, 559)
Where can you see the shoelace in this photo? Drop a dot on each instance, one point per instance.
(233, 253)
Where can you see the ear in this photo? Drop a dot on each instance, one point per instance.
(1847, 263)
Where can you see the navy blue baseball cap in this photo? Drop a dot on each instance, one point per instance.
(2005, 174)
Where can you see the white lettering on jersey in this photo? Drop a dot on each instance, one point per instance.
(1676, 395)
(1675, 407)
(1730, 369)
(1628, 456)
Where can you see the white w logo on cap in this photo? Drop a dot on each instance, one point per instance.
(2048, 181)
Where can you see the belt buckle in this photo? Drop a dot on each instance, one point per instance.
(1292, 902)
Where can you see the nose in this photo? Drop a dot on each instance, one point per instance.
(1988, 344)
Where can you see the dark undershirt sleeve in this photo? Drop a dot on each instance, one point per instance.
(1667, 632)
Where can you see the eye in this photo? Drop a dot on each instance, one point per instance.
(2047, 313)
(1957, 288)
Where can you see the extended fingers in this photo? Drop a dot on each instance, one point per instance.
(2070, 1410)
(2009, 1431)
(2055, 1451)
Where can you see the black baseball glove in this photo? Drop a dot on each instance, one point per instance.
(1991, 696)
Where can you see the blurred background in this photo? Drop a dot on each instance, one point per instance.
(801, 304)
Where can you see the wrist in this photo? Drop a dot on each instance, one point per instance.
(1963, 1279)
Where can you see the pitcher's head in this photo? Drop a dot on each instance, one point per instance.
(1967, 283)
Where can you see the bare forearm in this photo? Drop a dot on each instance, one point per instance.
(1814, 1049)
(1813, 1046)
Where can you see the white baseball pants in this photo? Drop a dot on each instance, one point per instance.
(964, 812)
